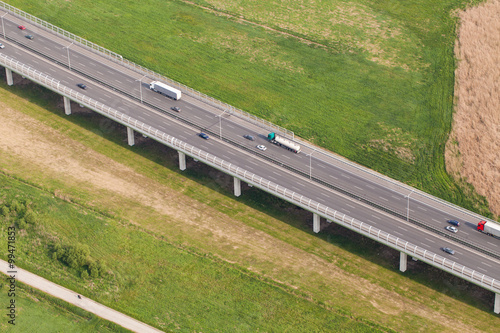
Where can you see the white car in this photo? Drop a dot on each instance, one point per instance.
(261, 147)
(452, 229)
(1, 46)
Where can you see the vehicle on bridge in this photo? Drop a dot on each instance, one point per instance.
(278, 140)
(166, 90)
(489, 228)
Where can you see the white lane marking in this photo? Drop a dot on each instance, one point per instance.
(230, 126)
(107, 96)
(426, 245)
(326, 195)
(347, 211)
(465, 233)
(182, 136)
(421, 208)
(485, 264)
(429, 240)
(48, 48)
(187, 107)
(375, 216)
(286, 157)
(118, 81)
(397, 233)
(368, 220)
(491, 244)
(122, 108)
(321, 166)
(159, 100)
(276, 173)
(91, 63)
(437, 221)
(384, 198)
(350, 206)
(296, 188)
(110, 72)
(482, 269)
(140, 117)
(359, 188)
(251, 162)
(345, 176)
(209, 143)
(333, 177)
(196, 116)
(402, 228)
(99, 73)
(230, 152)
(52, 69)
(298, 183)
(370, 186)
(271, 177)
(411, 210)
(395, 197)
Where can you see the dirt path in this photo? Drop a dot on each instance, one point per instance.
(473, 150)
(40, 153)
(71, 297)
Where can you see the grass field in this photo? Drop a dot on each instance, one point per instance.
(185, 255)
(40, 313)
(370, 80)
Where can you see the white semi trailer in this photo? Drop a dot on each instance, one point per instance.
(166, 90)
(280, 141)
(489, 228)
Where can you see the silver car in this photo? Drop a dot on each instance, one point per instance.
(2, 46)
(452, 229)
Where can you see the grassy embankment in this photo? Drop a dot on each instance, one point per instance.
(218, 262)
(376, 88)
(40, 313)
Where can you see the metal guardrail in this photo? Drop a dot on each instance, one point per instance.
(255, 180)
(226, 107)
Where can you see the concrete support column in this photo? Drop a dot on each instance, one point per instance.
(316, 226)
(67, 105)
(8, 74)
(403, 260)
(130, 134)
(237, 187)
(496, 309)
(182, 161)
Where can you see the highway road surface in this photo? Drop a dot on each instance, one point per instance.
(367, 201)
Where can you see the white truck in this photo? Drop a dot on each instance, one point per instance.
(489, 228)
(280, 141)
(166, 90)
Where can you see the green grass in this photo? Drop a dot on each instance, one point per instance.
(389, 110)
(39, 312)
(168, 286)
(262, 212)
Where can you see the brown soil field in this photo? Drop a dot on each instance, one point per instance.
(473, 149)
(32, 150)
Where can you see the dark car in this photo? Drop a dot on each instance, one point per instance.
(176, 108)
(448, 250)
(81, 85)
(249, 137)
(454, 222)
(22, 27)
(29, 36)
(204, 136)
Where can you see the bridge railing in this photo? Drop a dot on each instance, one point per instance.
(226, 107)
(251, 178)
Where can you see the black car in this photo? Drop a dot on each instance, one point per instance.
(249, 137)
(454, 222)
(204, 136)
(176, 108)
(448, 250)
(81, 85)
(29, 36)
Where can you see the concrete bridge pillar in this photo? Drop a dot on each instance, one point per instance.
(182, 161)
(130, 134)
(237, 187)
(403, 261)
(316, 225)
(8, 74)
(496, 309)
(67, 105)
